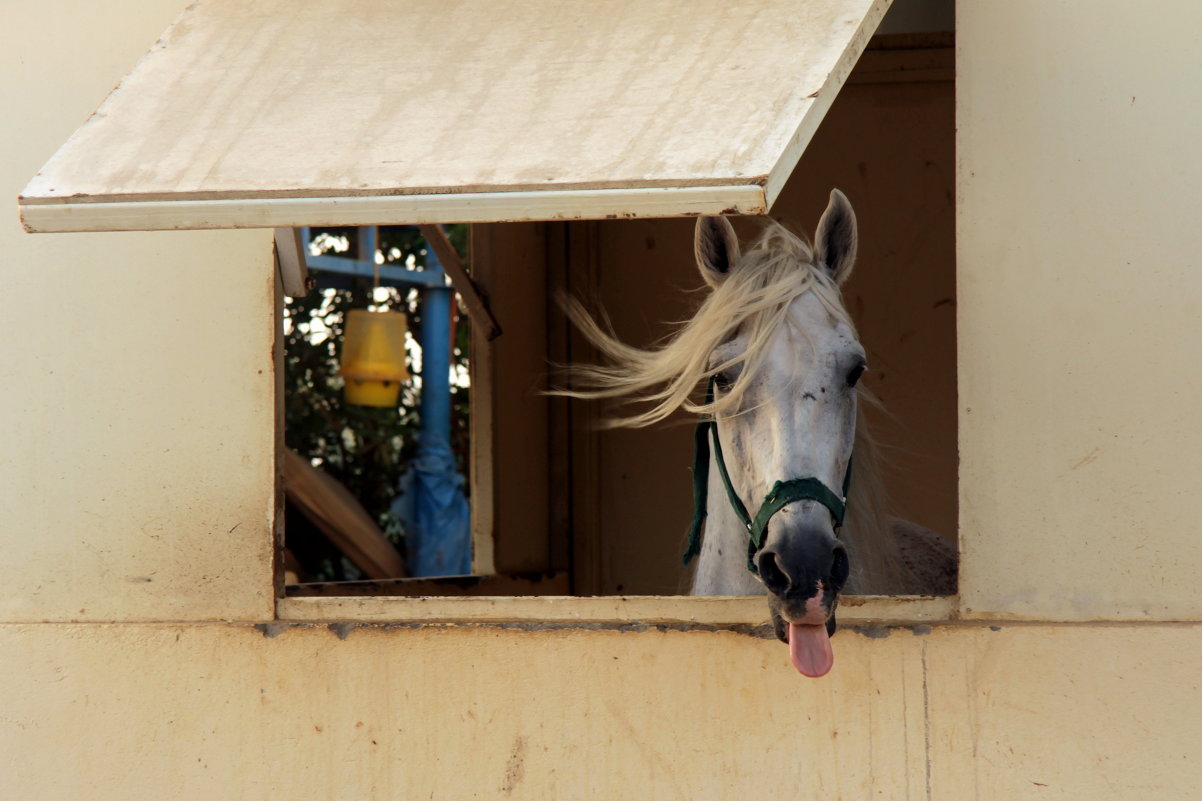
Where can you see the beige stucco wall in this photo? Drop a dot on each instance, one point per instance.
(217, 711)
(1080, 295)
(133, 450)
(136, 378)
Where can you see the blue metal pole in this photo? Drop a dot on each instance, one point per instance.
(436, 371)
(432, 507)
(367, 244)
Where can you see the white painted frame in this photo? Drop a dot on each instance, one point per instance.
(50, 216)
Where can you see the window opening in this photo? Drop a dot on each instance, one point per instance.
(376, 492)
(571, 509)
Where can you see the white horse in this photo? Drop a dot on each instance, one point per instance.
(780, 356)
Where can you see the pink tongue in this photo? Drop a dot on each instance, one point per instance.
(810, 649)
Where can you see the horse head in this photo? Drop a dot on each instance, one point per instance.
(780, 356)
(783, 406)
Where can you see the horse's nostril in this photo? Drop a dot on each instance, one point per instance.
(774, 578)
(841, 568)
(803, 567)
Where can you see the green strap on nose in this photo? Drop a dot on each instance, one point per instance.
(781, 495)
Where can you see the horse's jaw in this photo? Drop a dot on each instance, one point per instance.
(722, 564)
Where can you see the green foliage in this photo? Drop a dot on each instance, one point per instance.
(365, 448)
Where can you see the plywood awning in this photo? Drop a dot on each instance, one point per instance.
(352, 112)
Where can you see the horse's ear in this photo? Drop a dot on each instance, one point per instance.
(835, 241)
(716, 247)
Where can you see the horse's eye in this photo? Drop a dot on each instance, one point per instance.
(854, 376)
(723, 381)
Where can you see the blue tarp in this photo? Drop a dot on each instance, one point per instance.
(436, 517)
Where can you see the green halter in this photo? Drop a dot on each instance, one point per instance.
(781, 494)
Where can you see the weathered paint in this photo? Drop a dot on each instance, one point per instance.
(204, 711)
(477, 112)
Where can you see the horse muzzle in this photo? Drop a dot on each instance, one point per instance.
(803, 569)
(803, 576)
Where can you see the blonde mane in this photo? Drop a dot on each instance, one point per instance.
(753, 299)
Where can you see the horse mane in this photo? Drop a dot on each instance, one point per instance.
(753, 299)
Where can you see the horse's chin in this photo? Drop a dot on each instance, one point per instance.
(807, 631)
(781, 617)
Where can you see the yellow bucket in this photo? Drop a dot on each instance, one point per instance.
(373, 357)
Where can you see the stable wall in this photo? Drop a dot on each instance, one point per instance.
(1080, 294)
(184, 708)
(186, 712)
(137, 388)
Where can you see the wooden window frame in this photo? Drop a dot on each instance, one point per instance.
(538, 588)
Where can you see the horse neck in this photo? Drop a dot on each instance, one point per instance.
(722, 563)
(877, 567)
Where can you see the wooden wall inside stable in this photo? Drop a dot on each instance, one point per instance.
(619, 501)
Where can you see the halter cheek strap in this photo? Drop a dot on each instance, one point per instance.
(781, 495)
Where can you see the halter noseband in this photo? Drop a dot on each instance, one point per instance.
(782, 493)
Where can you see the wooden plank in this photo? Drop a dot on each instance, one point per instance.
(905, 66)
(590, 565)
(509, 412)
(477, 306)
(482, 414)
(561, 533)
(341, 518)
(290, 262)
(448, 586)
(338, 99)
(925, 40)
(292, 567)
(279, 499)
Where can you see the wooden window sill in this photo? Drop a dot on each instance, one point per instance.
(672, 610)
